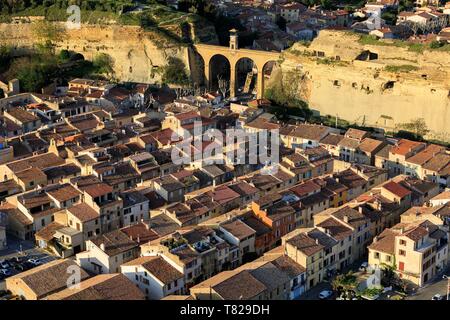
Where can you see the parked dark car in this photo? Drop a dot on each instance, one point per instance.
(19, 268)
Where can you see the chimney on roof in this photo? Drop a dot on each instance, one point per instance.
(360, 209)
(346, 219)
(402, 230)
(317, 241)
(102, 246)
(375, 239)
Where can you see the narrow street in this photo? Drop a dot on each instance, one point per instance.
(427, 292)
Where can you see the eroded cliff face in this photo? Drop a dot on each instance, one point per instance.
(138, 55)
(363, 91)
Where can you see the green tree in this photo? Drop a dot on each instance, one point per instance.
(35, 75)
(283, 93)
(104, 64)
(389, 17)
(436, 44)
(64, 55)
(175, 72)
(417, 126)
(5, 58)
(48, 32)
(346, 283)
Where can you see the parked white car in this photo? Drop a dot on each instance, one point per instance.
(4, 264)
(325, 294)
(363, 266)
(35, 262)
(437, 297)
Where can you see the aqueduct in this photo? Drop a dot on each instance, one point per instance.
(233, 54)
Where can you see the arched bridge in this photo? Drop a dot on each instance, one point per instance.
(233, 54)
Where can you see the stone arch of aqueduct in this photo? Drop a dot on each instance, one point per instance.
(233, 54)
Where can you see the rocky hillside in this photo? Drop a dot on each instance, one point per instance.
(371, 82)
(138, 41)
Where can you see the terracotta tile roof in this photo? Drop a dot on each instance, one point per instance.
(48, 231)
(30, 175)
(115, 242)
(158, 267)
(356, 134)
(187, 115)
(242, 286)
(354, 217)
(336, 229)
(102, 287)
(288, 266)
(62, 171)
(48, 278)
(304, 243)
(22, 115)
(83, 212)
(260, 227)
(147, 138)
(440, 163)
(64, 193)
(98, 189)
(442, 196)
(332, 139)
(140, 232)
(40, 161)
(162, 225)
(178, 297)
(243, 188)
(425, 155)
(305, 188)
(404, 147)
(263, 124)
(310, 132)
(238, 229)
(268, 274)
(34, 200)
(169, 183)
(349, 143)
(15, 214)
(385, 242)
(223, 194)
(416, 233)
(370, 145)
(186, 254)
(165, 136)
(396, 189)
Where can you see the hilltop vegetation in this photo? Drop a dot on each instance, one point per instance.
(152, 15)
(44, 66)
(415, 47)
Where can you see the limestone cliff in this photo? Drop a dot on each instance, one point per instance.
(137, 54)
(378, 85)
